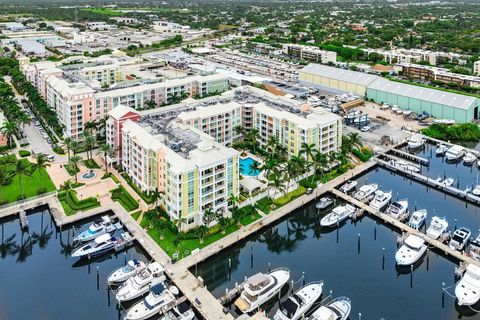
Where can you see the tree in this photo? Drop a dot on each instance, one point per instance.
(22, 169)
(75, 146)
(150, 104)
(9, 129)
(107, 151)
(208, 217)
(68, 143)
(307, 150)
(89, 142)
(74, 161)
(255, 167)
(155, 195)
(5, 176)
(202, 229)
(223, 222)
(234, 201)
(41, 164)
(319, 161)
(179, 222)
(252, 137)
(354, 140)
(277, 181)
(239, 132)
(67, 186)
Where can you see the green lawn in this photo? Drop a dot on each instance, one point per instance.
(147, 198)
(39, 182)
(91, 164)
(108, 12)
(246, 220)
(124, 198)
(136, 214)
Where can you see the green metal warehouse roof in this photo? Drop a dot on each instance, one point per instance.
(455, 100)
(359, 78)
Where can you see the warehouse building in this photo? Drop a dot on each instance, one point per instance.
(439, 104)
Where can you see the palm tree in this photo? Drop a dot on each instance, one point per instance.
(223, 222)
(155, 195)
(5, 176)
(179, 222)
(68, 143)
(277, 182)
(89, 142)
(176, 242)
(208, 217)
(355, 141)
(90, 127)
(24, 119)
(67, 185)
(307, 150)
(9, 129)
(41, 164)
(74, 161)
(234, 201)
(22, 169)
(272, 144)
(150, 104)
(252, 137)
(202, 229)
(239, 132)
(74, 146)
(107, 151)
(319, 161)
(255, 167)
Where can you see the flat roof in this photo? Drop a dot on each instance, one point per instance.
(340, 74)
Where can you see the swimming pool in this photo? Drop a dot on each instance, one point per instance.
(245, 169)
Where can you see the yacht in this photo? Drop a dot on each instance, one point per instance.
(476, 190)
(98, 246)
(405, 165)
(444, 121)
(397, 209)
(337, 215)
(455, 153)
(448, 182)
(181, 312)
(469, 158)
(157, 302)
(365, 191)
(460, 238)
(140, 284)
(417, 219)
(300, 302)
(337, 309)
(348, 186)
(385, 106)
(438, 226)
(416, 141)
(395, 109)
(407, 112)
(474, 248)
(260, 288)
(441, 149)
(125, 272)
(467, 290)
(411, 251)
(381, 199)
(324, 203)
(399, 111)
(99, 227)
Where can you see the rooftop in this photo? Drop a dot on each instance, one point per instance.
(340, 74)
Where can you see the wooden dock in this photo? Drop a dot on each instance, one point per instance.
(410, 157)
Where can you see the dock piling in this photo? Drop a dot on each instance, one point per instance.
(358, 244)
(383, 258)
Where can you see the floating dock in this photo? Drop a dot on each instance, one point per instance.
(409, 156)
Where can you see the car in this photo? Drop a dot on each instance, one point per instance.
(365, 129)
(50, 157)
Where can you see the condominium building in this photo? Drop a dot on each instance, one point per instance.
(309, 53)
(405, 55)
(114, 125)
(438, 74)
(476, 68)
(105, 74)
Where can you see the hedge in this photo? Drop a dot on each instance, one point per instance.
(142, 194)
(70, 198)
(24, 153)
(458, 132)
(91, 164)
(283, 200)
(124, 198)
(364, 154)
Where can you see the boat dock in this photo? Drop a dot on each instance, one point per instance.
(23, 220)
(231, 295)
(409, 156)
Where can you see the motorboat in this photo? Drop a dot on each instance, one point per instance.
(407, 112)
(260, 288)
(444, 121)
(100, 226)
(156, 302)
(337, 309)
(441, 149)
(299, 302)
(417, 219)
(411, 251)
(467, 289)
(324, 203)
(469, 158)
(397, 209)
(348, 186)
(337, 215)
(416, 141)
(182, 311)
(474, 248)
(460, 239)
(422, 116)
(395, 109)
(384, 106)
(476, 190)
(448, 182)
(405, 165)
(381, 199)
(98, 246)
(438, 226)
(125, 272)
(454, 153)
(141, 283)
(366, 191)
(399, 111)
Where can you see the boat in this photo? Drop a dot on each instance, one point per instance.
(460, 238)
(381, 199)
(399, 111)
(158, 300)
(337, 309)
(141, 283)
(417, 219)
(422, 116)
(395, 108)
(125, 272)
(182, 311)
(98, 246)
(467, 289)
(476, 190)
(348, 186)
(337, 215)
(438, 226)
(384, 106)
(260, 288)
(474, 248)
(405, 165)
(366, 191)
(448, 182)
(324, 203)
(407, 112)
(99, 227)
(299, 302)
(411, 251)
(454, 153)
(441, 149)
(469, 158)
(444, 121)
(416, 141)
(397, 209)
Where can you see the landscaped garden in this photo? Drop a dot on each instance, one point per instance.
(124, 198)
(72, 205)
(146, 197)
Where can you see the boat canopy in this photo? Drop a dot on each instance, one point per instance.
(414, 241)
(257, 281)
(289, 307)
(102, 238)
(159, 288)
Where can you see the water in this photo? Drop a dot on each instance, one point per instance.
(40, 280)
(366, 273)
(245, 167)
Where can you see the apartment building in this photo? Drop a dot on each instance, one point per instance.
(405, 55)
(309, 53)
(114, 125)
(104, 74)
(476, 68)
(438, 74)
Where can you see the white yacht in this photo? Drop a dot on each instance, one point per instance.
(395, 108)
(337, 309)
(140, 284)
(324, 203)
(385, 106)
(417, 219)
(101, 226)
(399, 111)
(474, 248)
(467, 290)
(381, 199)
(348, 186)
(448, 182)
(125, 272)
(98, 246)
(337, 215)
(441, 149)
(455, 153)
(476, 190)
(300, 302)
(365, 191)
(460, 239)
(469, 158)
(181, 312)
(407, 112)
(404, 165)
(438, 226)
(411, 251)
(260, 288)
(158, 301)
(397, 209)
(416, 141)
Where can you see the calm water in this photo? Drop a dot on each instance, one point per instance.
(40, 280)
(377, 289)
